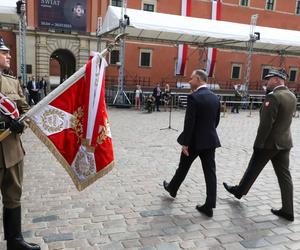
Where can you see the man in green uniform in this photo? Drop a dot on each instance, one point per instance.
(273, 142)
(11, 158)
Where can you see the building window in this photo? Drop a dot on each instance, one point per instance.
(114, 57)
(265, 71)
(298, 8)
(145, 58)
(148, 7)
(270, 4)
(293, 74)
(244, 2)
(236, 71)
(117, 3)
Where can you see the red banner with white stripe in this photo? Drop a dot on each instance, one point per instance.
(74, 126)
(212, 52)
(183, 48)
(8, 107)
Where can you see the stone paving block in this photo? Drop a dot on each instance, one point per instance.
(293, 245)
(293, 236)
(45, 218)
(58, 237)
(228, 238)
(150, 241)
(276, 239)
(167, 246)
(254, 243)
(81, 244)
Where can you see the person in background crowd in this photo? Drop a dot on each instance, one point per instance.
(138, 97)
(157, 95)
(237, 98)
(33, 89)
(167, 96)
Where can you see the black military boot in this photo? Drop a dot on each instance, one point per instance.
(12, 230)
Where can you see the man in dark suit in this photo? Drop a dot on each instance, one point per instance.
(273, 142)
(33, 88)
(157, 95)
(199, 138)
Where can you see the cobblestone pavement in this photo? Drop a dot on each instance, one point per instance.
(128, 208)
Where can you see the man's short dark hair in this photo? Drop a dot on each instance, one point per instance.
(202, 74)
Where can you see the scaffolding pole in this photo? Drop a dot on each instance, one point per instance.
(254, 36)
(21, 11)
(121, 97)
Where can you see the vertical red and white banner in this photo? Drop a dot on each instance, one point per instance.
(212, 52)
(183, 48)
(74, 126)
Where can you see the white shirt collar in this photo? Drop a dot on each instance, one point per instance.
(201, 86)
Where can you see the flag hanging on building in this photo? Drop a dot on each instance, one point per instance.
(212, 52)
(74, 126)
(183, 48)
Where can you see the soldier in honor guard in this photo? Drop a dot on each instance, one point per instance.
(11, 158)
(273, 142)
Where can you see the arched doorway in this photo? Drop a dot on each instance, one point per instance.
(62, 65)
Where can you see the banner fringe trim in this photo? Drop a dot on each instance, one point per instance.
(80, 185)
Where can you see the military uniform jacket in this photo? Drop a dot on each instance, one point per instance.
(13, 151)
(276, 116)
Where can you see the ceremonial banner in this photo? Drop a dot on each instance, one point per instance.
(74, 126)
(183, 48)
(212, 52)
(8, 107)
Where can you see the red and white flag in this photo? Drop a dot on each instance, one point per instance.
(74, 126)
(212, 52)
(183, 48)
(8, 107)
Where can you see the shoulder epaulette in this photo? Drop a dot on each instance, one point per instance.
(10, 76)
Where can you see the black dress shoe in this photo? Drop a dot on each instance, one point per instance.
(208, 211)
(282, 214)
(166, 187)
(232, 190)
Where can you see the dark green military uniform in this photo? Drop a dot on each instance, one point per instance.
(273, 142)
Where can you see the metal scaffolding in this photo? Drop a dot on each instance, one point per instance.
(121, 97)
(254, 36)
(21, 11)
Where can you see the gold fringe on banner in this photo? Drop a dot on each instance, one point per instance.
(80, 185)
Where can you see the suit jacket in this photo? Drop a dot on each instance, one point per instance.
(201, 120)
(13, 151)
(276, 115)
(30, 86)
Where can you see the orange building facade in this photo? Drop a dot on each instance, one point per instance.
(59, 52)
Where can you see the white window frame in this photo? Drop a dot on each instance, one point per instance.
(297, 3)
(140, 57)
(154, 2)
(294, 69)
(245, 5)
(262, 70)
(274, 6)
(110, 57)
(240, 65)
